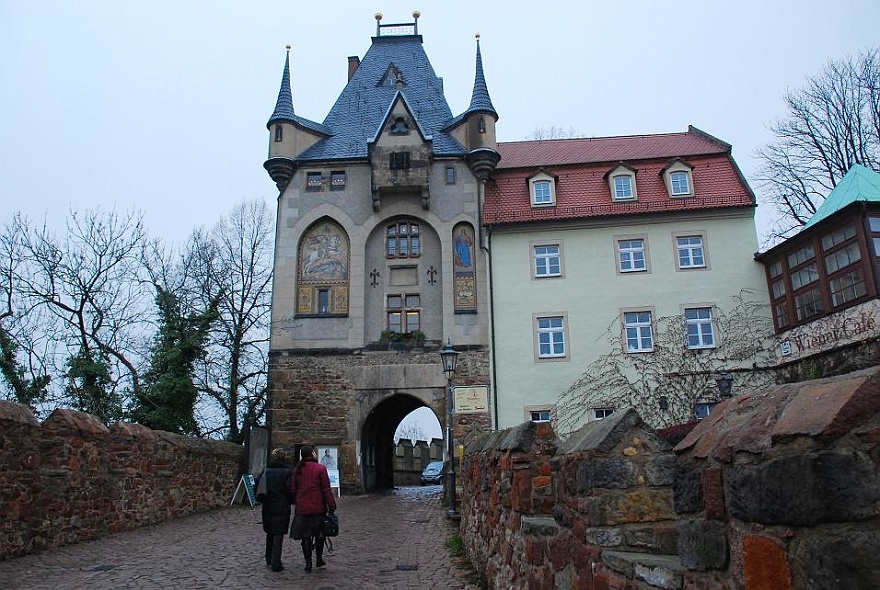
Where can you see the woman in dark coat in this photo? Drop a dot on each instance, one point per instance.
(312, 498)
(276, 507)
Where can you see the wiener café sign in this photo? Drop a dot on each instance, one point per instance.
(846, 327)
(471, 400)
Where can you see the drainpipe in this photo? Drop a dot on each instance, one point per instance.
(486, 246)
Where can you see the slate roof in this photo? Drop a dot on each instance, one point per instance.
(859, 184)
(283, 112)
(582, 189)
(361, 107)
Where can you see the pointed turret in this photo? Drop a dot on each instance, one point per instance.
(479, 123)
(284, 104)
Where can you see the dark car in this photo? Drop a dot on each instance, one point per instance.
(433, 473)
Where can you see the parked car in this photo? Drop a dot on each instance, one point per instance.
(433, 473)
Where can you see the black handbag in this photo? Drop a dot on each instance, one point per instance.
(331, 525)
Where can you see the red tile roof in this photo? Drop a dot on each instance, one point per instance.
(582, 190)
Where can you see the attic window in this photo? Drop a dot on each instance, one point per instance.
(678, 179)
(542, 190)
(398, 160)
(622, 183)
(399, 127)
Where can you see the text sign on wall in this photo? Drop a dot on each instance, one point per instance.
(472, 399)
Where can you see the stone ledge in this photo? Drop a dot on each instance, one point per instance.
(662, 571)
(539, 525)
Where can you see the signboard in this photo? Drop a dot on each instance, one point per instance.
(471, 400)
(245, 487)
(334, 480)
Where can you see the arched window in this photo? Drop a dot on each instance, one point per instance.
(323, 270)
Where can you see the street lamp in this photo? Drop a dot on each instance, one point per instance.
(725, 384)
(449, 357)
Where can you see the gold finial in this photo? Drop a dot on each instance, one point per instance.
(378, 16)
(416, 14)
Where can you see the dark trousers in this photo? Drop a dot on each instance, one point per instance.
(273, 550)
(316, 543)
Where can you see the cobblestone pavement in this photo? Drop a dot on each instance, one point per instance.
(394, 540)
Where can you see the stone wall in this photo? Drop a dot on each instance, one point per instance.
(777, 490)
(71, 478)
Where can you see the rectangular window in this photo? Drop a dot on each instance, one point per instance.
(279, 133)
(639, 331)
(450, 175)
(801, 256)
(547, 261)
(690, 252)
(337, 180)
(781, 312)
(808, 304)
(700, 330)
(680, 182)
(776, 269)
(804, 276)
(778, 289)
(313, 181)
(631, 255)
(404, 313)
(847, 287)
(551, 337)
(842, 258)
(623, 187)
(402, 240)
(838, 236)
(398, 160)
(540, 416)
(703, 409)
(602, 413)
(323, 301)
(543, 194)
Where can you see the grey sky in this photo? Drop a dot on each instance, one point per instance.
(161, 106)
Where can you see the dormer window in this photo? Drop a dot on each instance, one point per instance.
(678, 179)
(542, 188)
(622, 183)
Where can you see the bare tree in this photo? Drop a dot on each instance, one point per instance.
(553, 132)
(664, 385)
(234, 262)
(832, 123)
(409, 431)
(90, 287)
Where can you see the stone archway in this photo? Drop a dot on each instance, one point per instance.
(377, 438)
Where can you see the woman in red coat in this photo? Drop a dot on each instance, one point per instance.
(312, 498)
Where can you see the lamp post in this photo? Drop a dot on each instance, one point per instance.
(725, 384)
(449, 357)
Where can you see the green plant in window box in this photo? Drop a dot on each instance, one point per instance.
(417, 337)
(389, 336)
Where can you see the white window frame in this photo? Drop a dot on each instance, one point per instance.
(618, 173)
(674, 168)
(540, 178)
(549, 409)
(701, 324)
(678, 250)
(603, 412)
(547, 258)
(623, 187)
(554, 332)
(638, 325)
(619, 251)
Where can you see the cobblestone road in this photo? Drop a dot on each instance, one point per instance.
(392, 541)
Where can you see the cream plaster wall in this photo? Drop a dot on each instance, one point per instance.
(592, 293)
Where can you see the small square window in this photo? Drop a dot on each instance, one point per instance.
(623, 188)
(337, 180)
(703, 409)
(631, 255)
(450, 175)
(314, 181)
(540, 416)
(547, 261)
(399, 160)
(680, 182)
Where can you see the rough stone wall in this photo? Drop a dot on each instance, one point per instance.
(71, 478)
(776, 490)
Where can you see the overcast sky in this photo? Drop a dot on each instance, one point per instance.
(161, 106)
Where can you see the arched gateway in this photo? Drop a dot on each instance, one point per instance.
(379, 256)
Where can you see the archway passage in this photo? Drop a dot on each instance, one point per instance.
(377, 440)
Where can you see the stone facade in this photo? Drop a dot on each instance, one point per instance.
(71, 478)
(776, 490)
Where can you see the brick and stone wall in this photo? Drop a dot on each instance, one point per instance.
(71, 478)
(776, 490)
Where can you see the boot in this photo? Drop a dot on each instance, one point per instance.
(307, 553)
(319, 552)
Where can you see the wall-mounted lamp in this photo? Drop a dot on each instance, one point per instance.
(725, 384)
(664, 403)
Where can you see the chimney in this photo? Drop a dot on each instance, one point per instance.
(353, 63)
